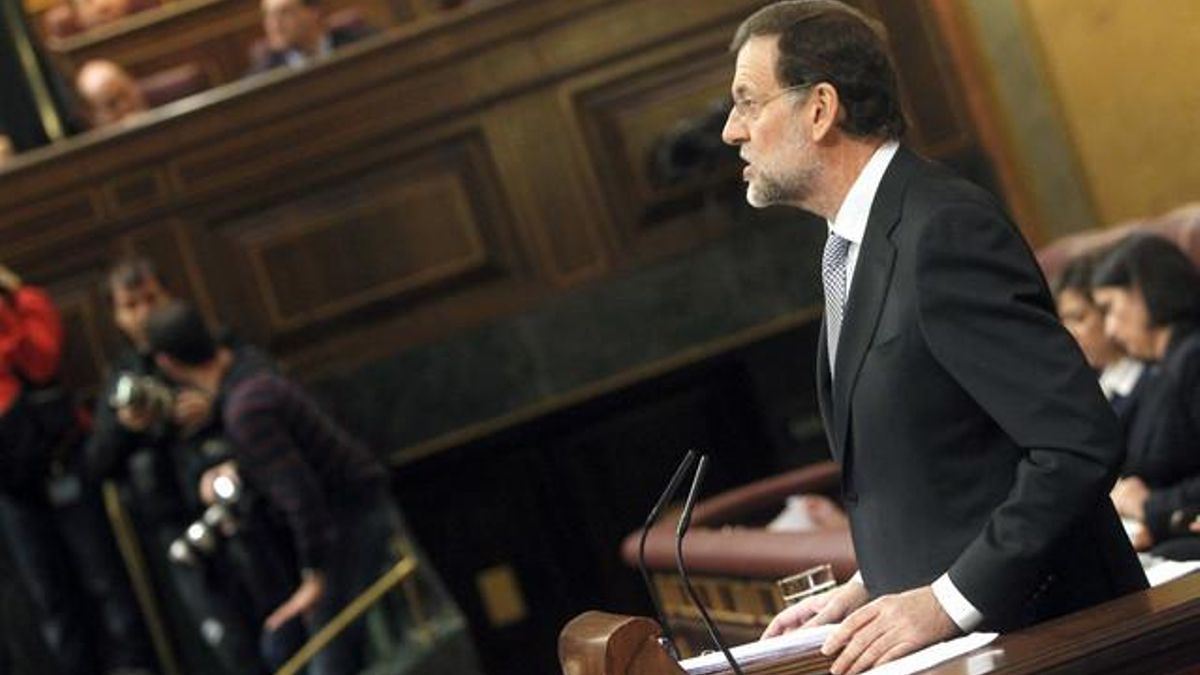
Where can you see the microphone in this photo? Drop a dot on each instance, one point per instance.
(668, 637)
(685, 521)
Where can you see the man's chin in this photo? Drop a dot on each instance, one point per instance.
(757, 199)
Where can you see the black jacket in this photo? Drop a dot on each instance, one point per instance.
(972, 436)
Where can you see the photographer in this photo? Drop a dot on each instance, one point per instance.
(52, 515)
(156, 441)
(333, 492)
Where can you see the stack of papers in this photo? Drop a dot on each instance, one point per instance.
(758, 656)
(774, 649)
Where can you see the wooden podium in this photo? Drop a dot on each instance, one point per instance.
(1150, 632)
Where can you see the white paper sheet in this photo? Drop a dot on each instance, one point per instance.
(771, 649)
(934, 654)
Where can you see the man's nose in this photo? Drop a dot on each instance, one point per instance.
(734, 132)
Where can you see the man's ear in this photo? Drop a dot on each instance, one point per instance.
(825, 108)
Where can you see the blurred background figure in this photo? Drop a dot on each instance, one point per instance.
(6, 148)
(1150, 294)
(109, 93)
(296, 34)
(1081, 316)
(51, 514)
(155, 441)
(94, 13)
(332, 492)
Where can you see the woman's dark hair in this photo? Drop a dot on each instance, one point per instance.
(828, 41)
(178, 330)
(1165, 276)
(1076, 276)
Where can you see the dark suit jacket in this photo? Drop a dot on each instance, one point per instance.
(1164, 433)
(338, 37)
(972, 436)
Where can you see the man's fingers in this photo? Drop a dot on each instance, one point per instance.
(788, 620)
(896, 651)
(853, 623)
(852, 656)
(831, 612)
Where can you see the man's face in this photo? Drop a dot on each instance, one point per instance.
(132, 305)
(1127, 321)
(98, 12)
(1085, 322)
(771, 129)
(112, 96)
(289, 24)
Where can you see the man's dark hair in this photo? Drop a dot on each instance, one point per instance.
(1165, 276)
(828, 41)
(178, 330)
(131, 272)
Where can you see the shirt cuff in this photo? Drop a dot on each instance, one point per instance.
(960, 610)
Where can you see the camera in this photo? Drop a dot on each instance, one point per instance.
(143, 393)
(203, 537)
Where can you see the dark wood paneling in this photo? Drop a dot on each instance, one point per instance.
(464, 169)
(415, 227)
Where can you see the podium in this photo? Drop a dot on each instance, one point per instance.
(1149, 632)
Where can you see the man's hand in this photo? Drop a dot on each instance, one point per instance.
(1129, 495)
(1141, 538)
(135, 419)
(208, 493)
(886, 629)
(819, 610)
(310, 590)
(192, 410)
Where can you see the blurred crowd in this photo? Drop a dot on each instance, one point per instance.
(255, 516)
(295, 33)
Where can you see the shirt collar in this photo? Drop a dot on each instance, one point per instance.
(851, 219)
(1121, 377)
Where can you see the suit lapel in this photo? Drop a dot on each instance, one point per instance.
(825, 392)
(872, 276)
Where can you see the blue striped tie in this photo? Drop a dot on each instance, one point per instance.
(833, 274)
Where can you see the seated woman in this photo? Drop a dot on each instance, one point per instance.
(1085, 322)
(1150, 294)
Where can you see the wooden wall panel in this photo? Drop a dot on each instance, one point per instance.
(416, 227)
(463, 169)
(624, 112)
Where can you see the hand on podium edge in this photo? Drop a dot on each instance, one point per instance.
(887, 628)
(818, 610)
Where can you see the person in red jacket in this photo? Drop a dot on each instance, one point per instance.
(51, 516)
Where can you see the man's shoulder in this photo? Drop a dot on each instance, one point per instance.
(934, 187)
(252, 373)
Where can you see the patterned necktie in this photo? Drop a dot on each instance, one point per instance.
(833, 273)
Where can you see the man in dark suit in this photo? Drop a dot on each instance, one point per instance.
(976, 449)
(296, 35)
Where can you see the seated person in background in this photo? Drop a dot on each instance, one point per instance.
(1150, 293)
(809, 513)
(110, 93)
(296, 35)
(1083, 319)
(92, 13)
(330, 489)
